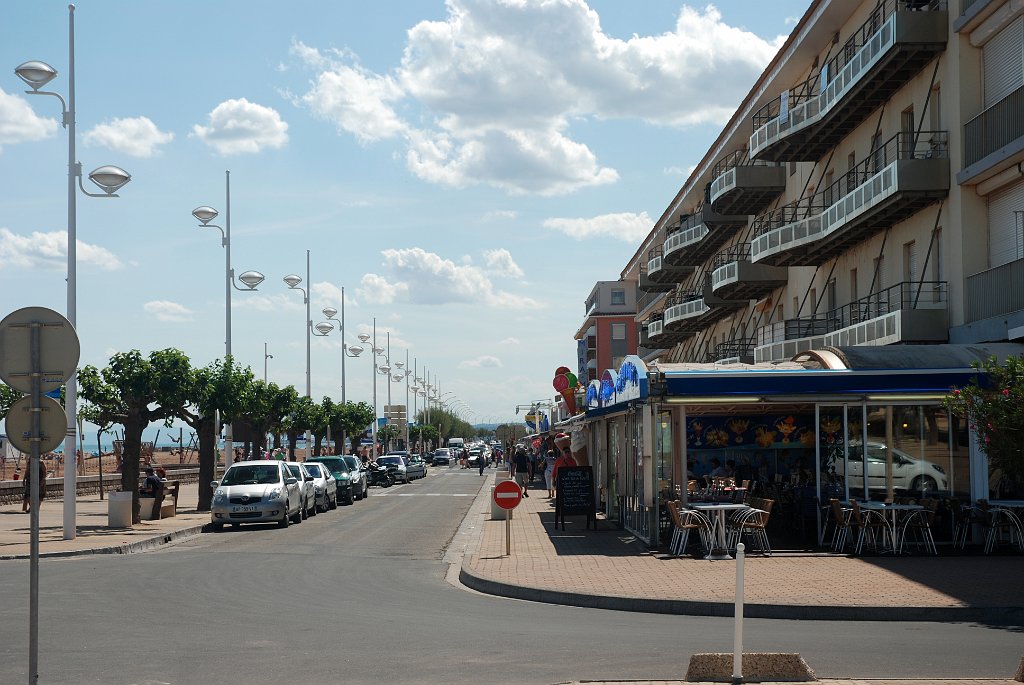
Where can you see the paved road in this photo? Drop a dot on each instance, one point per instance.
(358, 595)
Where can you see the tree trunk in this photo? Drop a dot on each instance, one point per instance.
(277, 440)
(130, 454)
(293, 436)
(207, 461)
(318, 441)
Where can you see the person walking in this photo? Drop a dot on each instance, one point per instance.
(523, 469)
(550, 457)
(26, 500)
(482, 460)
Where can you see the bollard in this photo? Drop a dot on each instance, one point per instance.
(737, 648)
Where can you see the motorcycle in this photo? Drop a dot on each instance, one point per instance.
(378, 474)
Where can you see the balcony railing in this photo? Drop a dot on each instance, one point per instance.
(996, 127)
(757, 179)
(874, 179)
(683, 304)
(739, 349)
(869, 320)
(812, 99)
(994, 292)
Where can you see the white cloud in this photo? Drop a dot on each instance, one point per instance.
(137, 137)
(500, 214)
(269, 303)
(485, 361)
(421, 277)
(50, 251)
(167, 311)
(494, 88)
(237, 126)
(624, 226)
(791, 21)
(19, 123)
(500, 262)
(509, 341)
(679, 171)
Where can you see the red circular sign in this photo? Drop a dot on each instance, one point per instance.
(508, 494)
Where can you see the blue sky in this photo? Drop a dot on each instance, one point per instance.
(465, 170)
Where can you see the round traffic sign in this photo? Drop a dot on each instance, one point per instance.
(508, 494)
(53, 424)
(58, 348)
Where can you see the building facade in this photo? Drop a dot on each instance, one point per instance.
(608, 333)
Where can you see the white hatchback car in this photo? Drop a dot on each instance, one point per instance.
(325, 487)
(908, 473)
(256, 492)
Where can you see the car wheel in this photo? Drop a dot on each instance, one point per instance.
(217, 527)
(366, 491)
(922, 483)
(283, 523)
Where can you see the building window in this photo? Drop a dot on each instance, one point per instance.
(618, 331)
(618, 296)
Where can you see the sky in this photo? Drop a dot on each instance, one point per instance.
(465, 170)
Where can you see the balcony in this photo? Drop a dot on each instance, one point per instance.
(995, 292)
(898, 179)
(658, 336)
(909, 312)
(890, 48)
(689, 311)
(994, 140)
(744, 186)
(737, 350)
(659, 276)
(699, 236)
(735, 277)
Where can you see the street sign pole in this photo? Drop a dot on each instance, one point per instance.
(33, 473)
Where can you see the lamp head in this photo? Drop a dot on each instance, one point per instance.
(378, 350)
(399, 365)
(324, 327)
(205, 214)
(35, 73)
(364, 337)
(397, 376)
(110, 178)
(292, 281)
(384, 369)
(329, 312)
(355, 350)
(251, 279)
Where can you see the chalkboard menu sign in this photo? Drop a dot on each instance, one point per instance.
(574, 494)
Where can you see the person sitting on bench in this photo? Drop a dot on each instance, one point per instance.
(153, 487)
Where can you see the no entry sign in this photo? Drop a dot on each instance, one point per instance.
(507, 494)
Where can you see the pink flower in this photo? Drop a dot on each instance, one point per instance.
(1006, 392)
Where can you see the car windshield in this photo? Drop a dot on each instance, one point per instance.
(251, 474)
(295, 471)
(312, 471)
(389, 460)
(335, 465)
(352, 462)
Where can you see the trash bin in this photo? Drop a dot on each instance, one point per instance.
(497, 513)
(119, 510)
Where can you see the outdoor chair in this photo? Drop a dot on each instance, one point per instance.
(684, 522)
(840, 518)
(920, 524)
(869, 524)
(753, 522)
(1001, 524)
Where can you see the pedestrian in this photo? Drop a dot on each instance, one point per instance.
(523, 469)
(482, 460)
(564, 459)
(549, 470)
(153, 487)
(26, 500)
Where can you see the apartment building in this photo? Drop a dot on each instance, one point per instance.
(868, 191)
(608, 333)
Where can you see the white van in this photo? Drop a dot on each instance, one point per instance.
(456, 444)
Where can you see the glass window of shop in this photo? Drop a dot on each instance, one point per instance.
(614, 442)
(664, 457)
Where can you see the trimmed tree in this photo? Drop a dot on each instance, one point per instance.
(135, 391)
(994, 409)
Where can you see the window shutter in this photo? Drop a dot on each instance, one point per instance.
(1004, 229)
(1003, 60)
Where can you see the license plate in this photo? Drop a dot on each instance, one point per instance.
(236, 510)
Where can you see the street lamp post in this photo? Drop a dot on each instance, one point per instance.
(377, 352)
(110, 179)
(250, 279)
(265, 358)
(293, 281)
(346, 349)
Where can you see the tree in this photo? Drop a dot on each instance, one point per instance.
(428, 434)
(351, 419)
(303, 417)
(387, 433)
(135, 391)
(8, 396)
(994, 408)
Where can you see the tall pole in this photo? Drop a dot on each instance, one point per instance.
(373, 426)
(344, 353)
(406, 372)
(266, 356)
(309, 328)
(229, 446)
(71, 389)
(391, 408)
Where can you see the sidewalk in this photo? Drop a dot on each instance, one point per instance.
(93, 535)
(607, 568)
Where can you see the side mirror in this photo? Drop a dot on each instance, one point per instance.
(291, 480)
(214, 484)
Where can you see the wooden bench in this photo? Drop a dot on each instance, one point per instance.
(168, 508)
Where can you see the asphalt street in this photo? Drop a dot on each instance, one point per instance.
(359, 595)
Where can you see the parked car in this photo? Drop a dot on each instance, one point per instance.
(306, 484)
(359, 478)
(908, 473)
(256, 492)
(475, 455)
(415, 467)
(343, 479)
(441, 457)
(395, 463)
(325, 487)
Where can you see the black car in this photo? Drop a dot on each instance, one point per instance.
(342, 476)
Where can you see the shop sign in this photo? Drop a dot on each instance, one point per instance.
(627, 384)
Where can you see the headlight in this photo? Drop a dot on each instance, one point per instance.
(343, 476)
(275, 493)
(938, 468)
(219, 495)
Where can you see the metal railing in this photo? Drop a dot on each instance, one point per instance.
(904, 145)
(737, 347)
(647, 300)
(906, 295)
(738, 158)
(994, 292)
(997, 126)
(740, 252)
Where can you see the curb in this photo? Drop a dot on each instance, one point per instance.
(985, 615)
(127, 548)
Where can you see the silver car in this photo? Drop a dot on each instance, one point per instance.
(415, 467)
(359, 477)
(325, 488)
(256, 492)
(306, 485)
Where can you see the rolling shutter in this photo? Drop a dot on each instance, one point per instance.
(1005, 242)
(1003, 59)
